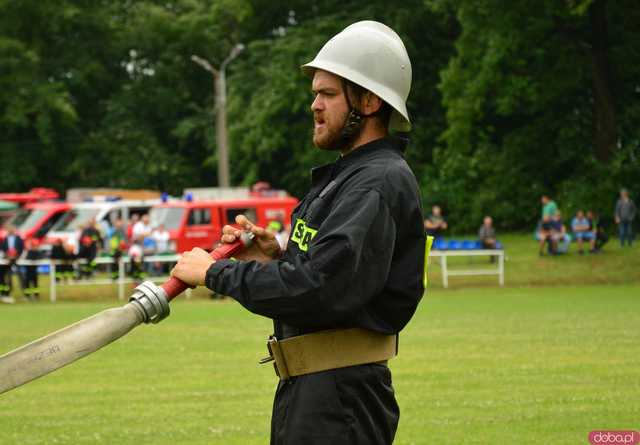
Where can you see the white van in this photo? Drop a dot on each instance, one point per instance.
(70, 225)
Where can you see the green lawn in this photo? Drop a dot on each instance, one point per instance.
(514, 365)
(523, 266)
(544, 360)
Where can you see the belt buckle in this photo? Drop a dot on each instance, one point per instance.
(270, 358)
(272, 344)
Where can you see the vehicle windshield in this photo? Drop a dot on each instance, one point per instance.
(26, 219)
(20, 217)
(74, 219)
(169, 216)
(34, 217)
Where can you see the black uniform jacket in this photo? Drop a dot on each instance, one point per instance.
(355, 256)
(18, 245)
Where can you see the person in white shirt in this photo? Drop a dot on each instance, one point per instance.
(142, 228)
(161, 236)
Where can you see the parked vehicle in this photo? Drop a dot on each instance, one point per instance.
(104, 213)
(38, 194)
(35, 220)
(7, 210)
(199, 223)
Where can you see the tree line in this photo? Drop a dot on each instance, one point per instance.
(510, 100)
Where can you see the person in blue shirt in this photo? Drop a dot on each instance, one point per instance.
(582, 231)
(559, 234)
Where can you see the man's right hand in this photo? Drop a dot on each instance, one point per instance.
(264, 248)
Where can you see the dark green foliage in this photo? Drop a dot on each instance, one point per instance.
(508, 100)
(521, 108)
(270, 99)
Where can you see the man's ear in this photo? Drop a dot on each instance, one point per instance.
(371, 103)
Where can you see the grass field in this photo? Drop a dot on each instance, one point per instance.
(523, 266)
(532, 364)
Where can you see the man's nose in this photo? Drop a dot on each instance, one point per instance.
(317, 103)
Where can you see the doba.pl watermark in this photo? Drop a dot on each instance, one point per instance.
(614, 437)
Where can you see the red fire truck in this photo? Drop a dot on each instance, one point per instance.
(199, 223)
(34, 220)
(37, 194)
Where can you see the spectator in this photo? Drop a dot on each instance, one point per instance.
(162, 237)
(149, 248)
(435, 224)
(544, 234)
(582, 231)
(89, 245)
(549, 207)
(104, 227)
(10, 250)
(136, 256)
(142, 228)
(132, 222)
(625, 213)
(561, 238)
(116, 243)
(487, 235)
(599, 233)
(30, 288)
(64, 255)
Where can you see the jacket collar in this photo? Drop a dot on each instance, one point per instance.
(366, 151)
(359, 155)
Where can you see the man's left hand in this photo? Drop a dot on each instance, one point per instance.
(192, 267)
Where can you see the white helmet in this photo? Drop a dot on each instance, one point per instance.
(373, 56)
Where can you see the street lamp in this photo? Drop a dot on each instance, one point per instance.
(220, 102)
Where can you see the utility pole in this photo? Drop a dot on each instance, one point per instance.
(220, 103)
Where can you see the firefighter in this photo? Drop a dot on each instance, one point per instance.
(30, 287)
(117, 243)
(89, 244)
(11, 248)
(63, 256)
(351, 276)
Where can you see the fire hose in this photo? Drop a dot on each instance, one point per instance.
(148, 304)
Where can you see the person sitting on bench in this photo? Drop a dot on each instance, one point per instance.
(582, 231)
(435, 224)
(487, 235)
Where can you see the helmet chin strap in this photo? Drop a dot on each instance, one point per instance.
(352, 123)
(352, 126)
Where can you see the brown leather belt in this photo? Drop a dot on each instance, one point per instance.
(330, 349)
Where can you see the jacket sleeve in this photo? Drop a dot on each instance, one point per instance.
(346, 265)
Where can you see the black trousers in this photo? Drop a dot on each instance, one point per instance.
(354, 405)
(6, 278)
(30, 284)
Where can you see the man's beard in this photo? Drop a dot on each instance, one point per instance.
(340, 138)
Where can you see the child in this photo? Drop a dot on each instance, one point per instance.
(135, 255)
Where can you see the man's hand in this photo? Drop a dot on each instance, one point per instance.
(192, 267)
(264, 247)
